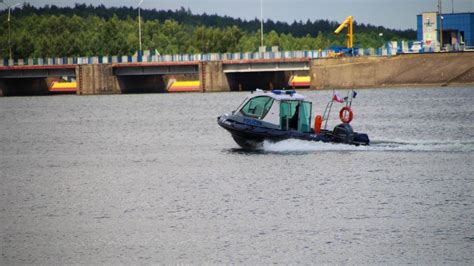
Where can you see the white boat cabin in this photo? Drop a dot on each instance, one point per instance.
(285, 109)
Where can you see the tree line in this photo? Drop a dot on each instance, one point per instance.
(85, 30)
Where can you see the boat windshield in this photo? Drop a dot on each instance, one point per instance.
(257, 107)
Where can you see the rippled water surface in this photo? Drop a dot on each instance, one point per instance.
(152, 178)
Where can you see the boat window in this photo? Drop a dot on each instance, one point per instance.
(304, 123)
(289, 115)
(257, 107)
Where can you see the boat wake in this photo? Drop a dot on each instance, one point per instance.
(294, 145)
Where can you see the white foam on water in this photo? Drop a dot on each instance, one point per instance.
(295, 145)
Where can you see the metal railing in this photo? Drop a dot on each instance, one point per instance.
(148, 57)
(391, 48)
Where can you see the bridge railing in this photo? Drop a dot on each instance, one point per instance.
(390, 48)
(149, 57)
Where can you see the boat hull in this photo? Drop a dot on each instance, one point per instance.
(252, 136)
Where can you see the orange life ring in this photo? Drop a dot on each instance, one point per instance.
(343, 117)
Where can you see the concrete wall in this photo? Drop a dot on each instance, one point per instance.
(405, 70)
(96, 79)
(213, 77)
(464, 78)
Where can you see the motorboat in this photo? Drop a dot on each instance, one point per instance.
(285, 114)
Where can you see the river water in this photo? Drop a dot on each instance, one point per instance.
(152, 178)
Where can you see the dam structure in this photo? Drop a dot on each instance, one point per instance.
(237, 72)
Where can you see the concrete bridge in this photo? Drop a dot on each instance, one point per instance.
(152, 77)
(235, 75)
(31, 80)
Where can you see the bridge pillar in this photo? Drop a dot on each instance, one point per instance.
(96, 79)
(212, 77)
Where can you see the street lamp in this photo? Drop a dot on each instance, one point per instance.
(261, 23)
(382, 41)
(8, 19)
(440, 11)
(139, 26)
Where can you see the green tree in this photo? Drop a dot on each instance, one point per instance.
(91, 31)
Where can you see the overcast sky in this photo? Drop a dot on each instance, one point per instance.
(397, 14)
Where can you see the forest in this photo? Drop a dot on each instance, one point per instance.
(86, 30)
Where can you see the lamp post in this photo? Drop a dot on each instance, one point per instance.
(381, 37)
(261, 23)
(8, 19)
(381, 40)
(139, 27)
(440, 11)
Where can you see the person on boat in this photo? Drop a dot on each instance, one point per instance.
(294, 119)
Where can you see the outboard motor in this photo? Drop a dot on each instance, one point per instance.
(361, 139)
(343, 133)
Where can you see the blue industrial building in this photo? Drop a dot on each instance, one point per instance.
(457, 29)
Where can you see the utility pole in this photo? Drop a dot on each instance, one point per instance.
(139, 28)
(261, 23)
(452, 6)
(9, 34)
(440, 11)
(9, 27)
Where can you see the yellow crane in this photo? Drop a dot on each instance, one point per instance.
(350, 32)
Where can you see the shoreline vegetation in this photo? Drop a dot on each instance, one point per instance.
(86, 30)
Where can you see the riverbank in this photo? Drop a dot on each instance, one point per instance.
(413, 70)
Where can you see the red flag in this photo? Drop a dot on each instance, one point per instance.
(336, 97)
